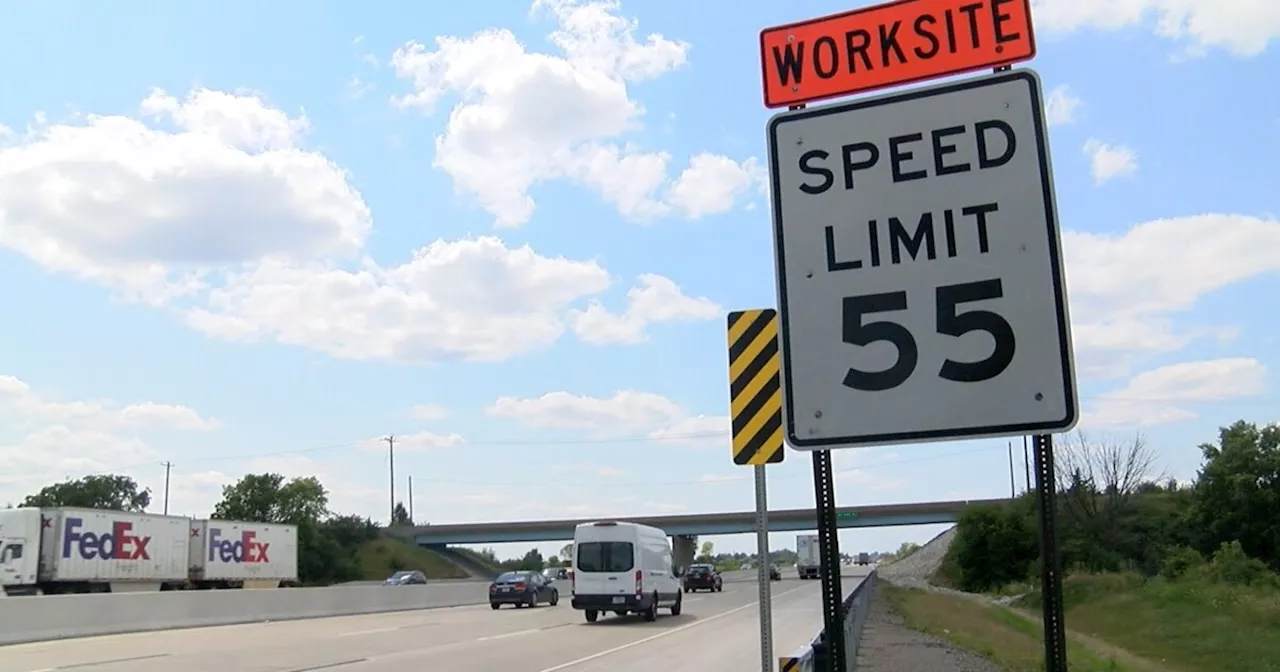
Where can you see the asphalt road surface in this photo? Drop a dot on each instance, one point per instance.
(716, 631)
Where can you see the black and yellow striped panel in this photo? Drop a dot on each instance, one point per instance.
(755, 387)
(788, 664)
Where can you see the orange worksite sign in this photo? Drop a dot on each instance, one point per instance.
(889, 44)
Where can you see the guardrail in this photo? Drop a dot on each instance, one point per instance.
(34, 619)
(813, 658)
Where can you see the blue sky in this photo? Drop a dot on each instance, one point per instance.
(260, 238)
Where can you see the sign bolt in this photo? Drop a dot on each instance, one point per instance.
(1039, 397)
(817, 414)
(809, 274)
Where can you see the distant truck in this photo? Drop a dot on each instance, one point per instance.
(55, 551)
(808, 556)
(864, 558)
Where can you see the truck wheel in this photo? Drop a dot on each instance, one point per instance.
(675, 608)
(592, 615)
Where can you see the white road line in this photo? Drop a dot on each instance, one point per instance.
(662, 634)
(370, 632)
(507, 634)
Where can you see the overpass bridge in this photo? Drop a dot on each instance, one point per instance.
(707, 524)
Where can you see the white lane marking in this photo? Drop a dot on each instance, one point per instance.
(370, 632)
(508, 634)
(662, 634)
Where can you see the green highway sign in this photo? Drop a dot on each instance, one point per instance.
(846, 515)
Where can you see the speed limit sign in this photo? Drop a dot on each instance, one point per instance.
(921, 292)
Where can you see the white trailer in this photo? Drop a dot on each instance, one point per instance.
(809, 556)
(231, 553)
(71, 550)
(68, 550)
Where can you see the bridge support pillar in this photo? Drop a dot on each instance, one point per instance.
(683, 550)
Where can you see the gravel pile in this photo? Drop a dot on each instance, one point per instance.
(916, 569)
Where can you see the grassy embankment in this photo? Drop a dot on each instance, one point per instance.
(379, 558)
(1116, 622)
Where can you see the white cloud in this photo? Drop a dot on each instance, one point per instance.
(152, 212)
(24, 407)
(1160, 396)
(628, 413)
(656, 300)
(43, 441)
(424, 440)
(1242, 27)
(1127, 288)
(1061, 107)
(1108, 162)
(524, 117)
(229, 222)
(713, 184)
(428, 412)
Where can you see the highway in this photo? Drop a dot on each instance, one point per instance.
(716, 631)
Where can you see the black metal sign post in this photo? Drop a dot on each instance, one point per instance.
(1055, 625)
(829, 544)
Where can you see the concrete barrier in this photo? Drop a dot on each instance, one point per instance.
(33, 619)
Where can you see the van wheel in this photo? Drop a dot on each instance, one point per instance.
(651, 614)
(675, 608)
(592, 615)
(555, 598)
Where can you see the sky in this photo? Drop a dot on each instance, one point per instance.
(263, 237)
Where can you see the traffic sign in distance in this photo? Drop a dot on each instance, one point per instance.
(755, 380)
(919, 267)
(889, 44)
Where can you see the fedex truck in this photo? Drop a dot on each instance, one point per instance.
(71, 550)
(808, 556)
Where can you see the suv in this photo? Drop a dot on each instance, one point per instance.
(703, 577)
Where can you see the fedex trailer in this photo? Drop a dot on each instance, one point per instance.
(229, 554)
(72, 550)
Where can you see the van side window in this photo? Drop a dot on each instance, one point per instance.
(605, 556)
(13, 552)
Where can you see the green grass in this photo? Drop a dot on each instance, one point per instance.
(1191, 624)
(999, 634)
(379, 558)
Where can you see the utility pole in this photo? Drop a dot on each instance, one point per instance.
(167, 467)
(411, 518)
(391, 462)
(1013, 488)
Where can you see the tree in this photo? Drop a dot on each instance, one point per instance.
(1237, 492)
(553, 561)
(400, 515)
(566, 552)
(267, 498)
(706, 552)
(532, 561)
(108, 491)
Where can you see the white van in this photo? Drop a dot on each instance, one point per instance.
(624, 568)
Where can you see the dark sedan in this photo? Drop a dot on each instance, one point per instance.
(703, 577)
(523, 589)
(775, 574)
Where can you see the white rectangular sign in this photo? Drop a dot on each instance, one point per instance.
(919, 267)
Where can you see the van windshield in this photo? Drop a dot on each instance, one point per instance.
(605, 556)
